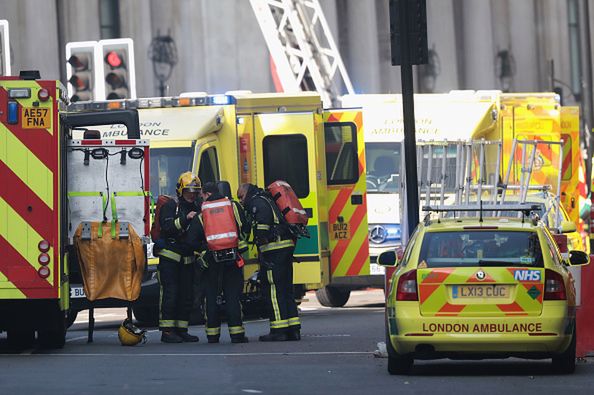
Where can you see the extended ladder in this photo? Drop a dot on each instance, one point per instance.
(302, 48)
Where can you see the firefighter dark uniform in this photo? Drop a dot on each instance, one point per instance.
(176, 264)
(275, 248)
(224, 283)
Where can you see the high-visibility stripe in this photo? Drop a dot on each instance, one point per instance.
(28, 167)
(170, 254)
(181, 324)
(167, 323)
(273, 299)
(262, 227)
(213, 331)
(360, 259)
(276, 245)
(219, 236)
(236, 330)
(177, 223)
(23, 239)
(279, 324)
(293, 321)
(209, 205)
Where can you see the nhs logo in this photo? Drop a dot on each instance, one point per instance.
(527, 275)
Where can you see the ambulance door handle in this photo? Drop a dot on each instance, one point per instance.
(356, 200)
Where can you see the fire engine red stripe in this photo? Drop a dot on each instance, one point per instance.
(360, 259)
(23, 275)
(341, 246)
(38, 141)
(19, 197)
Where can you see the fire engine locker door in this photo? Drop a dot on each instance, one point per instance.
(346, 197)
(286, 149)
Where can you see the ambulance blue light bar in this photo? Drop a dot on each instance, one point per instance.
(221, 100)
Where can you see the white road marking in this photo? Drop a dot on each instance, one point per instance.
(76, 338)
(253, 354)
(251, 391)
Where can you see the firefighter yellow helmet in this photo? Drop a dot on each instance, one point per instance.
(130, 335)
(189, 182)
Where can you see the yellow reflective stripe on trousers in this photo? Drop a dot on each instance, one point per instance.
(167, 323)
(275, 308)
(294, 321)
(213, 331)
(279, 324)
(276, 245)
(181, 324)
(236, 330)
(262, 227)
(174, 256)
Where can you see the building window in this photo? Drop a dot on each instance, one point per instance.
(285, 158)
(575, 63)
(342, 162)
(109, 18)
(209, 169)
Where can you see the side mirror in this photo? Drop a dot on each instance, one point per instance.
(578, 258)
(387, 258)
(568, 227)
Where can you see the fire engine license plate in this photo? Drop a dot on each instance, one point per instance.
(480, 291)
(77, 292)
(35, 118)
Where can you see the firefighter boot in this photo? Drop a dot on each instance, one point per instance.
(212, 339)
(239, 339)
(274, 337)
(186, 337)
(170, 336)
(294, 334)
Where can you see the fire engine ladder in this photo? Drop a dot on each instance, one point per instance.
(302, 47)
(526, 165)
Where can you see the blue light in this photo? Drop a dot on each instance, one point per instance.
(221, 100)
(13, 112)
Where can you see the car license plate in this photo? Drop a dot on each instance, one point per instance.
(35, 118)
(374, 268)
(480, 291)
(77, 292)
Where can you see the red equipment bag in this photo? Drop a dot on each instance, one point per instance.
(156, 225)
(219, 224)
(288, 203)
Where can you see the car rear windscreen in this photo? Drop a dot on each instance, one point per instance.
(480, 248)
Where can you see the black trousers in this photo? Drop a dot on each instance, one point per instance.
(277, 289)
(177, 282)
(225, 278)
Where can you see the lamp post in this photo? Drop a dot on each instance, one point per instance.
(163, 53)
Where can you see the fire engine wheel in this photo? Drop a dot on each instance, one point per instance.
(21, 338)
(565, 362)
(332, 296)
(397, 363)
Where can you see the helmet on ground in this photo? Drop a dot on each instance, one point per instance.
(188, 182)
(130, 335)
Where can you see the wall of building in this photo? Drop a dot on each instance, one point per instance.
(220, 46)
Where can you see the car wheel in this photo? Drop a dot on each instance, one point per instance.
(332, 296)
(397, 363)
(565, 363)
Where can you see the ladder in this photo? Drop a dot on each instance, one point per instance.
(302, 48)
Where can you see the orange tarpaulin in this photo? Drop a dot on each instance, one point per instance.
(110, 267)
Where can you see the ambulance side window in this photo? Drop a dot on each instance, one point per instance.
(342, 162)
(209, 166)
(285, 158)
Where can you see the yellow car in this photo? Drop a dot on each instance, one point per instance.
(481, 288)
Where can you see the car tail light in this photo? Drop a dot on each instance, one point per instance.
(407, 286)
(43, 272)
(554, 286)
(44, 259)
(43, 246)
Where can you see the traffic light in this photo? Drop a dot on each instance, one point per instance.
(82, 71)
(118, 68)
(408, 22)
(4, 48)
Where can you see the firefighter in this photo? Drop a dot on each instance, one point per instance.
(224, 280)
(275, 249)
(176, 261)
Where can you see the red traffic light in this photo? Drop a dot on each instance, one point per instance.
(114, 59)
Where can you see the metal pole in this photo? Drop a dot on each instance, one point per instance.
(429, 168)
(443, 174)
(587, 86)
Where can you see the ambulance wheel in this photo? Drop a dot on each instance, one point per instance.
(397, 363)
(21, 338)
(332, 296)
(565, 363)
